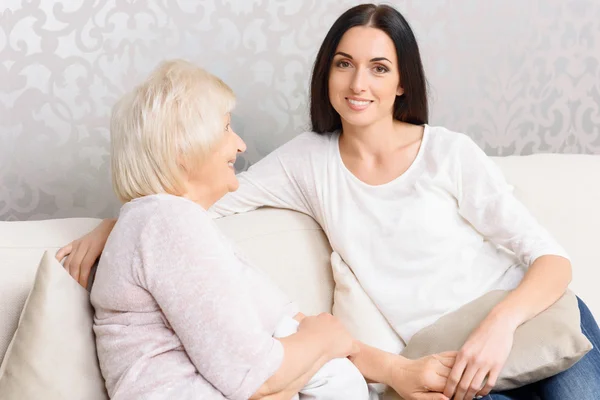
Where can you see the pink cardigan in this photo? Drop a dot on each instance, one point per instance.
(178, 313)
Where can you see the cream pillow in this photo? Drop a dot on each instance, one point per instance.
(52, 354)
(355, 309)
(543, 346)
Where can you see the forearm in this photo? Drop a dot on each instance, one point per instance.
(544, 283)
(375, 364)
(295, 386)
(304, 355)
(107, 225)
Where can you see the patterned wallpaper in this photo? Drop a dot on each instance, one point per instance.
(519, 76)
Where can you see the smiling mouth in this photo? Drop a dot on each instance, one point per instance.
(359, 102)
(358, 105)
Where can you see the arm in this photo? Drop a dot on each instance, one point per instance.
(281, 180)
(304, 355)
(424, 378)
(323, 332)
(83, 252)
(203, 294)
(487, 202)
(278, 180)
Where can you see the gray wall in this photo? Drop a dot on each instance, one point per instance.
(519, 76)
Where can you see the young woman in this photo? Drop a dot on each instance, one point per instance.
(178, 315)
(418, 212)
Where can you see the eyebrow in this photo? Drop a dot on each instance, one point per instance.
(341, 53)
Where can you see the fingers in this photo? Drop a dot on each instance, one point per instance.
(436, 382)
(465, 384)
(476, 383)
(86, 267)
(447, 359)
(73, 263)
(430, 396)
(64, 251)
(454, 378)
(491, 382)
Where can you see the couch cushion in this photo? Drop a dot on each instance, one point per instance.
(563, 192)
(291, 248)
(53, 354)
(22, 245)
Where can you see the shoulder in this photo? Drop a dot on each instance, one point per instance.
(167, 216)
(306, 142)
(304, 149)
(441, 136)
(447, 144)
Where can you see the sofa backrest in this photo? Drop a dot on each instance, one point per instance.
(563, 192)
(289, 246)
(22, 245)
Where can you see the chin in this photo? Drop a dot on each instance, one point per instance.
(358, 120)
(233, 186)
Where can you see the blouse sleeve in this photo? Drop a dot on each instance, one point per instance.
(486, 200)
(194, 280)
(275, 181)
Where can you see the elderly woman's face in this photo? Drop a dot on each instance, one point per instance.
(217, 172)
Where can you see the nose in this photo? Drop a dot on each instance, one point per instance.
(241, 145)
(357, 85)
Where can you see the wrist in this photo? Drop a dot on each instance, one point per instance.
(396, 365)
(323, 345)
(506, 316)
(109, 223)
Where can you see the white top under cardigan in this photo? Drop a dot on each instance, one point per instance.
(421, 245)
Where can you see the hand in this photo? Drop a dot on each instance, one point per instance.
(337, 341)
(482, 356)
(422, 379)
(83, 252)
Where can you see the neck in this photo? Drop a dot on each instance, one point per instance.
(376, 139)
(201, 196)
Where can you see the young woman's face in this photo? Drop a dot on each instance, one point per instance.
(364, 79)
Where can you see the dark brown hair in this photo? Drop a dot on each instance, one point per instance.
(411, 107)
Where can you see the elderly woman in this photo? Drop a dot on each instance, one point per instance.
(178, 314)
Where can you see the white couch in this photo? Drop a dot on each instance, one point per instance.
(562, 191)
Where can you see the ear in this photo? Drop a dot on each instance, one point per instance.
(399, 91)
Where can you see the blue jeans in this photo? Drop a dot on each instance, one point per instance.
(581, 381)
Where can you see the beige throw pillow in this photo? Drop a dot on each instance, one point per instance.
(544, 346)
(355, 309)
(52, 355)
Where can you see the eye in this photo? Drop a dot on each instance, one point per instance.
(380, 69)
(343, 64)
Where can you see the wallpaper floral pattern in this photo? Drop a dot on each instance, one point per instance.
(520, 77)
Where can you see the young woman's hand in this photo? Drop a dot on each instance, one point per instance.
(422, 379)
(337, 340)
(82, 253)
(483, 356)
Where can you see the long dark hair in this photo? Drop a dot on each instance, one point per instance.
(411, 107)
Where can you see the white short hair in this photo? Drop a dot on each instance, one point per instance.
(165, 125)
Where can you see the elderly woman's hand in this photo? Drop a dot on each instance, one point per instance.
(422, 379)
(337, 341)
(83, 252)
